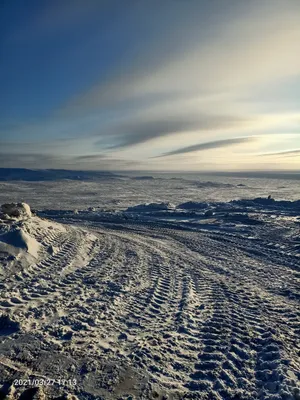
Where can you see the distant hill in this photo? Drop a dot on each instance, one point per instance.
(22, 174)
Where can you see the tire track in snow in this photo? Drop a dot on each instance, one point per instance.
(192, 309)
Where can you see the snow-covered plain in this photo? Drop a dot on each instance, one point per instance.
(151, 289)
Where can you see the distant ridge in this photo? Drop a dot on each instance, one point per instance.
(23, 174)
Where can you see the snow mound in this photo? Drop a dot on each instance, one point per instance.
(15, 211)
(20, 239)
(151, 207)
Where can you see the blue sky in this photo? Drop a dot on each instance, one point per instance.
(150, 85)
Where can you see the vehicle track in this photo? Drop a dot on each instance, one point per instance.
(195, 310)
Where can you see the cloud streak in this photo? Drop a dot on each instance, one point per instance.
(217, 144)
(282, 153)
(145, 130)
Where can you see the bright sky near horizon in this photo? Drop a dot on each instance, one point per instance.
(150, 85)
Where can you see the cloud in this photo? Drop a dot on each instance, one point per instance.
(282, 153)
(32, 160)
(207, 146)
(45, 161)
(196, 71)
(145, 130)
(251, 43)
(90, 157)
(31, 146)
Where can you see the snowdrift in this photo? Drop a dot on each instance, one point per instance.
(20, 239)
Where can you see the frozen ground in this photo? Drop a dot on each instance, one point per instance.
(190, 297)
(121, 192)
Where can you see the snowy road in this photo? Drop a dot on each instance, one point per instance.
(173, 312)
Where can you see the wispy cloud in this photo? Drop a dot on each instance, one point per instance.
(145, 130)
(282, 153)
(197, 61)
(207, 146)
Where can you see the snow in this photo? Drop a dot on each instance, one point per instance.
(144, 299)
(20, 239)
(17, 211)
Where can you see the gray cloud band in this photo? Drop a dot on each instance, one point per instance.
(207, 146)
(144, 131)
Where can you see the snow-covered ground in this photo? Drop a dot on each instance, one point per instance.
(121, 192)
(150, 289)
